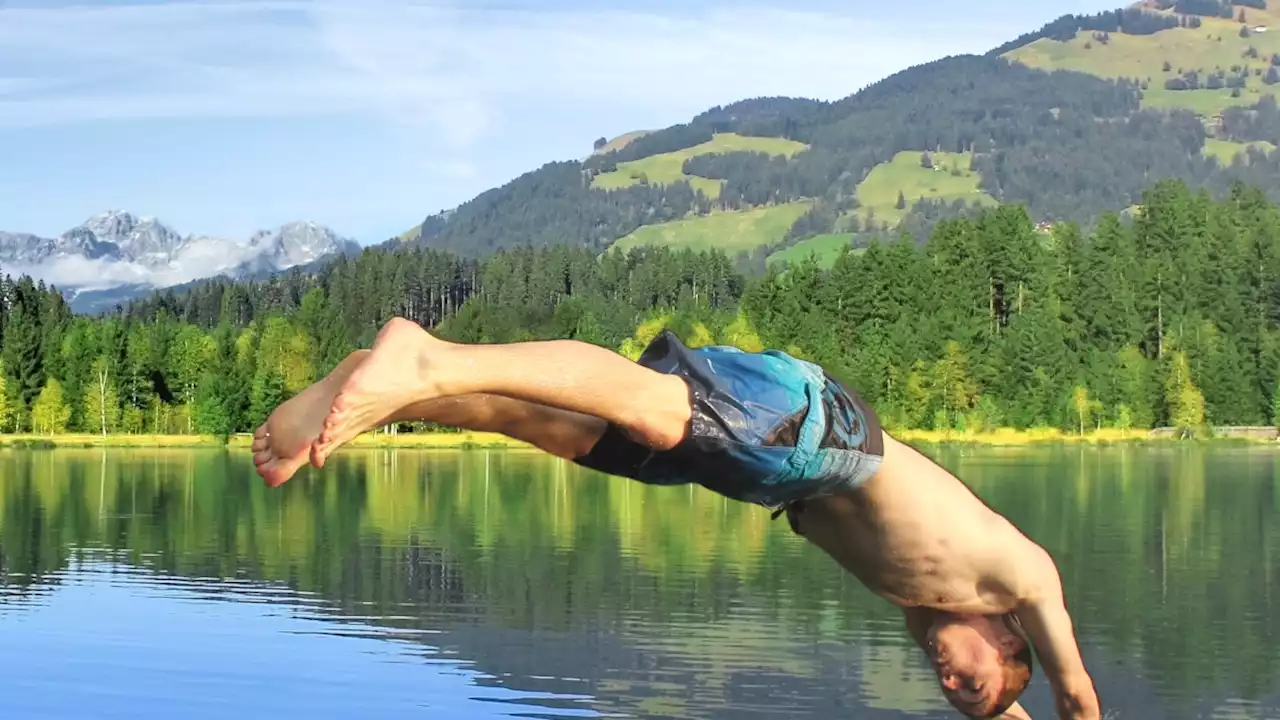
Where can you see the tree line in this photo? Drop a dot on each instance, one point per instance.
(1171, 318)
(1130, 21)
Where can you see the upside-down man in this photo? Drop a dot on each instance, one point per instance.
(765, 428)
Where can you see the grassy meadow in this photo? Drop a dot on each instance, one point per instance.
(1227, 150)
(667, 168)
(950, 180)
(729, 231)
(1215, 45)
(826, 247)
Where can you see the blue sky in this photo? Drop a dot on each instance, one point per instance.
(223, 117)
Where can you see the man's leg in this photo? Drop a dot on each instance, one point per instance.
(281, 444)
(562, 433)
(409, 366)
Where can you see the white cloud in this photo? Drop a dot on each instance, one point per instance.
(81, 273)
(458, 71)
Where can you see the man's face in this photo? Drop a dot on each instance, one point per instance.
(966, 654)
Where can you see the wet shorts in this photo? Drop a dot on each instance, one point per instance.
(766, 428)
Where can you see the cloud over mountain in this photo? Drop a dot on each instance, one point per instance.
(116, 248)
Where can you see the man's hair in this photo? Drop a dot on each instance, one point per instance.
(1017, 676)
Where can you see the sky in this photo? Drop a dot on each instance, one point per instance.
(222, 117)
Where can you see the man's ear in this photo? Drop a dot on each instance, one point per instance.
(1011, 644)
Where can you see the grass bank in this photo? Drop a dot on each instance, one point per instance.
(1034, 436)
(82, 440)
(479, 440)
(411, 440)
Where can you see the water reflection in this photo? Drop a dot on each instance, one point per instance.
(116, 641)
(503, 582)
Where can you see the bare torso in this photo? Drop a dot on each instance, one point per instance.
(918, 537)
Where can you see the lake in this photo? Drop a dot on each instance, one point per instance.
(484, 584)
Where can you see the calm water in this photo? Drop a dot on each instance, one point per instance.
(162, 584)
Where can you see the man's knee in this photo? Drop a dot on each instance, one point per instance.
(660, 419)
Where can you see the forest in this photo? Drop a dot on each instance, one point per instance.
(1171, 318)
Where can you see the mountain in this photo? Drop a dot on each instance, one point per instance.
(1073, 121)
(115, 255)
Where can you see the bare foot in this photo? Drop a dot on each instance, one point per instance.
(391, 378)
(281, 445)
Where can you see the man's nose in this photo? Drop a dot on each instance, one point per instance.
(950, 681)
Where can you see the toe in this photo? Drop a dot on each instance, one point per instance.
(272, 476)
(259, 444)
(341, 401)
(261, 458)
(318, 454)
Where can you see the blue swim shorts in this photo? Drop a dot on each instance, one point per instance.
(766, 428)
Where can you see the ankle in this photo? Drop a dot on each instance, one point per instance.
(434, 365)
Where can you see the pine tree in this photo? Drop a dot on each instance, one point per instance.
(23, 360)
(268, 392)
(212, 416)
(1275, 406)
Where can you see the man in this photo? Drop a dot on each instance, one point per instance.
(764, 428)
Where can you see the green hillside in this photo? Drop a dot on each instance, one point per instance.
(666, 168)
(621, 141)
(1216, 48)
(729, 232)
(1071, 121)
(949, 179)
(1226, 150)
(826, 247)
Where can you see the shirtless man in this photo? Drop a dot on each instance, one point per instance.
(765, 428)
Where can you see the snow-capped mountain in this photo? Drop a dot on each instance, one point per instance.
(117, 250)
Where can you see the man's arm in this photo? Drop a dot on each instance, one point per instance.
(918, 621)
(1042, 610)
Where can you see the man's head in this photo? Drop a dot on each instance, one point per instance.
(983, 662)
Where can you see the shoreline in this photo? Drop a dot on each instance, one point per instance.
(1011, 437)
(406, 441)
(493, 441)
